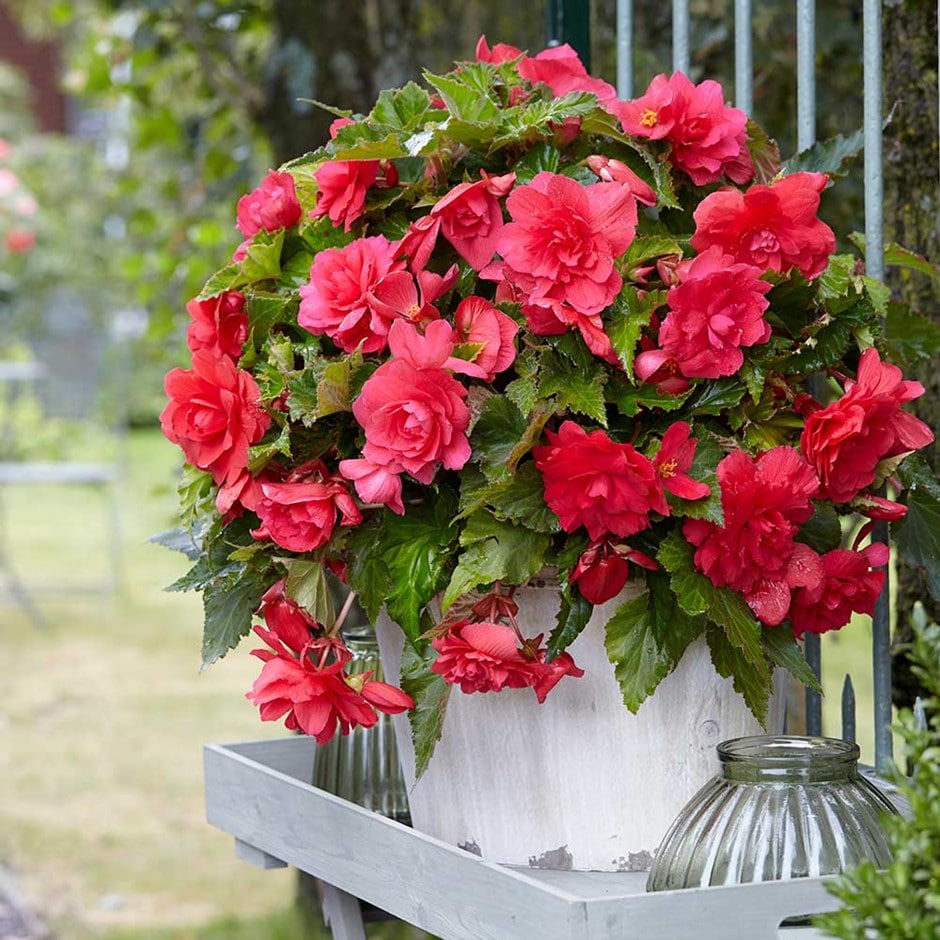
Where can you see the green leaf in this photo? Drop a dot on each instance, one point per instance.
(673, 628)
(697, 595)
(639, 663)
(307, 585)
(463, 102)
(263, 261)
(675, 554)
(302, 403)
(898, 256)
(335, 389)
(431, 694)
(918, 536)
(228, 604)
(646, 247)
(835, 280)
(388, 147)
(417, 550)
(177, 540)
(627, 318)
(368, 574)
(576, 384)
(266, 310)
(782, 649)
(401, 109)
(911, 336)
(229, 278)
(572, 618)
(496, 434)
(630, 399)
(822, 531)
(715, 396)
(519, 498)
(833, 156)
(543, 156)
(530, 121)
(764, 153)
(753, 680)
(495, 550)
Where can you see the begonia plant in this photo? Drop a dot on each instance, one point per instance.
(509, 323)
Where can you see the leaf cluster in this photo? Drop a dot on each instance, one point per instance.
(902, 902)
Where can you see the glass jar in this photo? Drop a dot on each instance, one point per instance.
(781, 807)
(363, 766)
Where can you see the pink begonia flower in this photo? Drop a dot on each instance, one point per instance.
(272, 206)
(9, 182)
(290, 622)
(478, 323)
(25, 205)
(20, 240)
(218, 324)
(340, 301)
(342, 185)
(379, 484)
(472, 218)
(397, 291)
(771, 227)
(846, 440)
(318, 699)
(764, 501)
(716, 308)
(485, 657)
(501, 52)
(481, 657)
(546, 675)
(602, 569)
(562, 70)
(709, 139)
(848, 585)
(341, 190)
(214, 414)
(596, 482)
(559, 252)
(609, 170)
(301, 512)
(413, 412)
(418, 242)
(660, 369)
(672, 462)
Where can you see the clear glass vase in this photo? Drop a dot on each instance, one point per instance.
(781, 807)
(363, 766)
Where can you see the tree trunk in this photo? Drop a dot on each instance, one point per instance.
(320, 51)
(912, 205)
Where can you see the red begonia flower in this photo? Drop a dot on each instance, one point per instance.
(218, 324)
(272, 206)
(672, 462)
(845, 441)
(771, 227)
(593, 481)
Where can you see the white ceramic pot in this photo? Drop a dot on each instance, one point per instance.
(579, 782)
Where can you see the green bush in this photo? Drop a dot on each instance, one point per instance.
(903, 901)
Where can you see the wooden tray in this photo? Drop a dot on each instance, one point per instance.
(258, 792)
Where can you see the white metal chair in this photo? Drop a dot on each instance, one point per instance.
(20, 385)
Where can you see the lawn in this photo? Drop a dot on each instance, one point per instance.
(104, 714)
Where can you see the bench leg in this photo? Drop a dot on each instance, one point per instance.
(342, 913)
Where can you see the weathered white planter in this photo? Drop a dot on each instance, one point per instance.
(579, 782)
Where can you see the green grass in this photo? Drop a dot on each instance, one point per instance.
(104, 715)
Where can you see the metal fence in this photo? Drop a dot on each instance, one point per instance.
(568, 21)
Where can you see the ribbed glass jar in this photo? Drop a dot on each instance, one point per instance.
(781, 807)
(363, 766)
